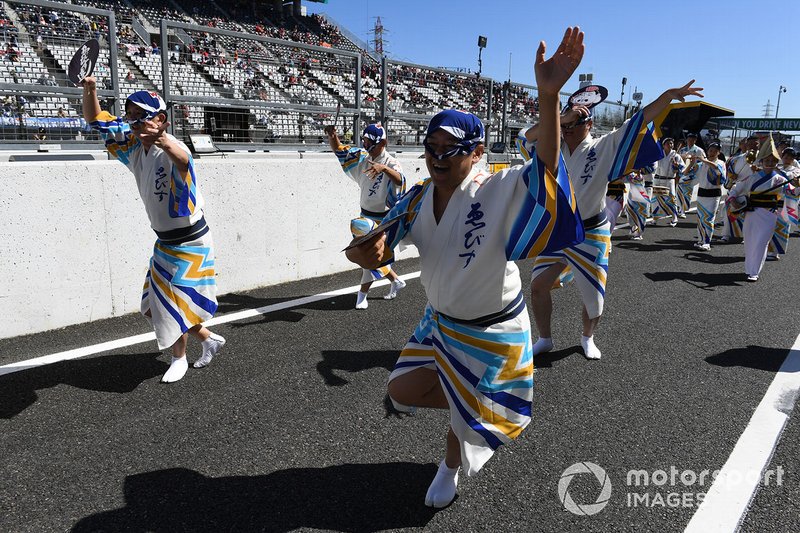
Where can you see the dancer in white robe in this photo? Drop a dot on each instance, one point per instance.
(471, 352)
(787, 210)
(764, 190)
(638, 203)
(665, 171)
(737, 167)
(179, 292)
(710, 176)
(381, 181)
(687, 181)
(591, 164)
(790, 168)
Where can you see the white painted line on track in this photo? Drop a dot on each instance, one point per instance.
(728, 499)
(147, 337)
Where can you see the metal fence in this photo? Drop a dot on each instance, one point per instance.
(243, 88)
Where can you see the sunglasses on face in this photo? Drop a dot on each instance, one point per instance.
(135, 121)
(450, 151)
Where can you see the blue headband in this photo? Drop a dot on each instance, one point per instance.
(151, 102)
(374, 132)
(465, 127)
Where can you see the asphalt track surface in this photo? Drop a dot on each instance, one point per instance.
(288, 428)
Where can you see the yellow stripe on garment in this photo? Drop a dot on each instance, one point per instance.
(194, 260)
(187, 182)
(551, 186)
(190, 315)
(416, 352)
(511, 353)
(605, 239)
(588, 267)
(508, 427)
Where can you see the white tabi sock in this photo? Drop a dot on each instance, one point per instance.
(210, 348)
(544, 344)
(394, 287)
(361, 300)
(443, 487)
(177, 369)
(589, 348)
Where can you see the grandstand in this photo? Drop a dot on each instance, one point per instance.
(245, 72)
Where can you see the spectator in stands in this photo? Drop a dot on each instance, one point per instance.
(155, 49)
(174, 301)
(62, 113)
(40, 135)
(130, 77)
(11, 53)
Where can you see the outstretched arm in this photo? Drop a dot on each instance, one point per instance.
(91, 105)
(551, 75)
(333, 138)
(654, 108)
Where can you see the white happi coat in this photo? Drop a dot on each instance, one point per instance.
(377, 194)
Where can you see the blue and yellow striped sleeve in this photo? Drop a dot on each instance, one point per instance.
(349, 158)
(116, 133)
(637, 146)
(524, 146)
(182, 192)
(406, 210)
(548, 219)
(716, 173)
(396, 191)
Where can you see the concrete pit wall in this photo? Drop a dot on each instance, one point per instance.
(75, 241)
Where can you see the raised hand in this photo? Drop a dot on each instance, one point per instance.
(575, 113)
(680, 93)
(150, 132)
(89, 82)
(553, 73)
(374, 169)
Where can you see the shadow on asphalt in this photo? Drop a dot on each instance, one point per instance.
(711, 259)
(120, 373)
(705, 281)
(353, 361)
(546, 360)
(351, 497)
(664, 244)
(756, 357)
(238, 302)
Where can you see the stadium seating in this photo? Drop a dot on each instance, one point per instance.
(207, 65)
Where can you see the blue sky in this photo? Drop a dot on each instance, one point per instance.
(740, 51)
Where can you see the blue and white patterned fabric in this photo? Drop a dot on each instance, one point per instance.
(465, 127)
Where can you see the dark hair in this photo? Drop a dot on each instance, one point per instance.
(789, 150)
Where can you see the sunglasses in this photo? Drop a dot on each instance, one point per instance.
(579, 122)
(135, 121)
(450, 151)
